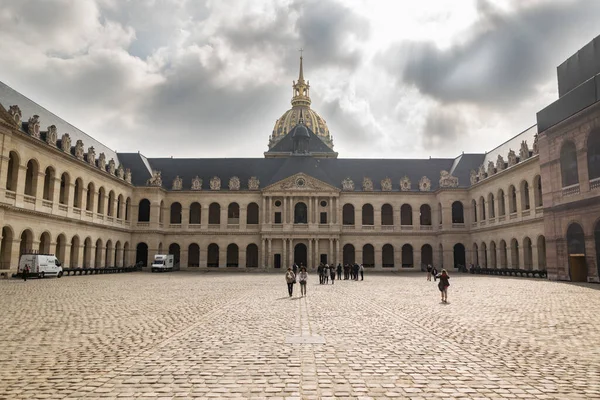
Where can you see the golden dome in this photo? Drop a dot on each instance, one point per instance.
(289, 119)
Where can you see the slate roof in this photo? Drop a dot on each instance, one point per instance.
(29, 108)
(271, 170)
(286, 144)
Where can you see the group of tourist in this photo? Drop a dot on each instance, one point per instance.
(444, 281)
(325, 271)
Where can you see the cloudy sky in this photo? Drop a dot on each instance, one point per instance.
(208, 78)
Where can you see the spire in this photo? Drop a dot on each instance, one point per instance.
(301, 88)
(301, 76)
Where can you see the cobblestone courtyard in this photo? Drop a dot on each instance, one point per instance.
(188, 335)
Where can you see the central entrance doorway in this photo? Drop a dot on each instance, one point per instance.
(300, 254)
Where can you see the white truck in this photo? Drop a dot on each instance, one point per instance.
(40, 265)
(163, 263)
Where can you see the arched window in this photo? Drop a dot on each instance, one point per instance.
(368, 260)
(193, 255)
(568, 164)
(141, 254)
(491, 206)
(387, 215)
(111, 204)
(195, 213)
(474, 210)
(425, 215)
(252, 217)
(407, 256)
(348, 254)
(482, 208)
(120, 207)
(175, 217)
(593, 154)
(514, 253)
(49, 184)
(348, 214)
(458, 216)
(214, 214)
(233, 214)
(300, 213)
(90, 196)
(501, 203)
(31, 178)
(233, 255)
(575, 239)
(251, 256)
(512, 199)
(387, 255)
(537, 191)
(213, 255)
(426, 255)
(101, 197)
(525, 205)
(144, 211)
(61, 246)
(367, 215)
(44, 243)
(12, 176)
(406, 215)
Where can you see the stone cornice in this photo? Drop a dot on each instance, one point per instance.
(504, 171)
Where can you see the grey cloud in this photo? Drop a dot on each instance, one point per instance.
(505, 55)
(444, 126)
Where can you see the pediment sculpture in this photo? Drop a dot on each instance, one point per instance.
(348, 185)
(51, 135)
(447, 180)
(33, 126)
(15, 113)
(386, 185)
(490, 168)
(215, 183)
(111, 167)
(536, 148)
(128, 175)
(155, 180)
(177, 183)
(79, 149)
(367, 185)
(512, 158)
(425, 184)
(65, 143)
(481, 173)
(405, 184)
(500, 164)
(120, 172)
(197, 183)
(91, 156)
(524, 152)
(299, 182)
(473, 177)
(234, 183)
(253, 183)
(102, 162)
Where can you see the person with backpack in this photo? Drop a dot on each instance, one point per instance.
(443, 285)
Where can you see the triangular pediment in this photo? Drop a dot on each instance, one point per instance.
(301, 183)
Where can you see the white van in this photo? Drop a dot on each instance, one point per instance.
(40, 265)
(163, 262)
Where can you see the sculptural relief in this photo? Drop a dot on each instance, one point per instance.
(481, 173)
(33, 126)
(536, 149)
(102, 162)
(91, 156)
(177, 183)
(15, 113)
(524, 152)
(348, 185)
(51, 135)
(386, 185)
(473, 177)
(367, 185)
(500, 164)
(405, 184)
(447, 180)
(120, 172)
(128, 175)
(425, 184)
(215, 183)
(234, 183)
(253, 183)
(65, 143)
(111, 167)
(197, 183)
(155, 180)
(512, 158)
(79, 150)
(490, 168)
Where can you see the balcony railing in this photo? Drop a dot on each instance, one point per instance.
(10, 195)
(426, 227)
(502, 218)
(595, 184)
(526, 213)
(47, 203)
(368, 227)
(387, 227)
(456, 225)
(406, 227)
(570, 190)
(29, 199)
(513, 215)
(143, 224)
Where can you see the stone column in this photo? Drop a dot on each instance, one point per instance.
(66, 262)
(263, 209)
(242, 257)
(284, 253)
(269, 254)
(39, 189)
(119, 255)
(378, 258)
(338, 254)
(534, 256)
(121, 211)
(330, 256)
(83, 205)
(80, 254)
(92, 256)
(204, 219)
(317, 252)
(290, 252)
(416, 218)
(358, 216)
(284, 211)
(55, 196)
(330, 215)
(185, 218)
(222, 256)
(223, 218)
(310, 262)
(14, 254)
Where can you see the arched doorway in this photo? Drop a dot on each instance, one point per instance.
(387, 254)
(61, 246)
(213, 256)
(26, 244)
(576, 253)
(300, 254)
(141, 254)
(232, 255)
(45, 243)
(541, 249)
(460, 259)
(503, 255)
(368, 256)
(493, 261)
(176, 251)
(514, 253)
(193, 255)
(74, 252)
(407, 256)
(426, 256)
(484, 255)
(527, 254)
(87, 252)
(348, 254)
(252, 256)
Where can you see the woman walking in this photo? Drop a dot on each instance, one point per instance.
(443, 285)
(429, 268)
(302, 277)
(290, 278)
(332, 273)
